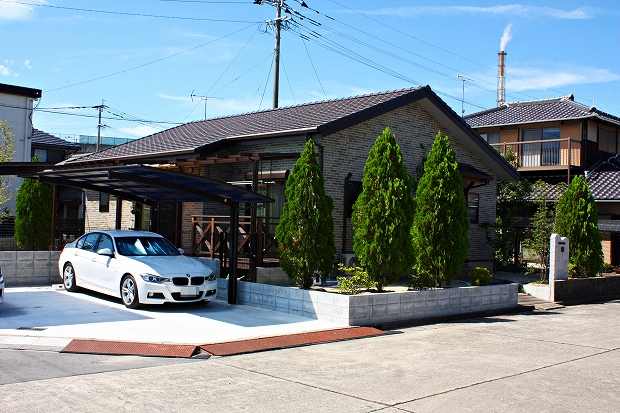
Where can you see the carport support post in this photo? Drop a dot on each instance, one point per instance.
(232, 277)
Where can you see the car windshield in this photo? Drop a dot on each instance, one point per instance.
(142, 246)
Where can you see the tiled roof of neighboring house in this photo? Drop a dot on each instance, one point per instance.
(603, 180)
(42, 139)
(561, 108)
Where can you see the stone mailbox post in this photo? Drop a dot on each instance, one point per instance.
(558, 261)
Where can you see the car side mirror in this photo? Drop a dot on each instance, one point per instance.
(106, 251)
(182, 251)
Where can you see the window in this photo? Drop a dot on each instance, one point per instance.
(607, 140)
(40, 153)
(104, 202)
(537, 154)
(491, 138)
(472, 207)
(105, 242)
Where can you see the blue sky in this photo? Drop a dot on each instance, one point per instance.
(145, 58)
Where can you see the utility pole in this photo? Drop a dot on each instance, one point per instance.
(205, 98)
(463, 79)
(100, 125)
(276, 55)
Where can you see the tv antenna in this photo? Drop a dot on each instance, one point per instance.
(205, 98)
(463, 79)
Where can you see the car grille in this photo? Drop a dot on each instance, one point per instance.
(179, 297)
(186, 281)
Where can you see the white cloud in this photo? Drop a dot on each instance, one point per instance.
(519, 79)
(5, 71)
(19, 11)
(27, 64)
(510, 10)
(140, 131)
(173, 97)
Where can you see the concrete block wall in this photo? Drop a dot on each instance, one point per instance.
(273, 276)
(30, 268)
(373, 309)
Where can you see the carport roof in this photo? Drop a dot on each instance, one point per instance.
(148, 185)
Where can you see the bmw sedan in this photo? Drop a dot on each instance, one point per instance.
(137, 266)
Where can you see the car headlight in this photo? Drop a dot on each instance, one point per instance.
(150, 278)
(211, 277)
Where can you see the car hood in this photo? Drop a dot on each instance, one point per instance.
(172, 265)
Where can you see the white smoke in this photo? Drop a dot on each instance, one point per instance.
(505, 37)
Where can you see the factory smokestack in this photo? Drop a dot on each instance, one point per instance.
(501, 72)
(501, 79)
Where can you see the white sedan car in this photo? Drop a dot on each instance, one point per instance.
(137, 266)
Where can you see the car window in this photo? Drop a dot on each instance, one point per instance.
(105, 242)
(80, 242)
(143, 246)
(90, 241)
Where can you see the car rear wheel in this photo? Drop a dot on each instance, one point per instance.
(129, 292)
(68, 278)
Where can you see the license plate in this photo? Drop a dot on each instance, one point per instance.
(189, 291)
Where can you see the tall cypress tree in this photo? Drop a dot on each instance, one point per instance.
(576, 217)
(383, 213)
(441, 221)
(305, 232)
(33, 218)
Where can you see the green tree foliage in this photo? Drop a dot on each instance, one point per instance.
(382, 214)
(511, 200)
(7, 153)
(33, 220)
(577, 219)
(441, 221)
(305, 232)
(542, 228)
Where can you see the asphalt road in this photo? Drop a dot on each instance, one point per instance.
(566, 360)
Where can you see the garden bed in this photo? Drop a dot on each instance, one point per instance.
(373, 308)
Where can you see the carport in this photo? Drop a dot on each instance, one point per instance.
(151, 185)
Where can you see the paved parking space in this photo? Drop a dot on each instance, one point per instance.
(48, 319)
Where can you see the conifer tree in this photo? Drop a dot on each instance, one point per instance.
(33, 219)
(576, 217)
(305, 232)
(383, 213)
(441, 221)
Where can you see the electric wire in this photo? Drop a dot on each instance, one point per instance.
(512, 92)
(149, 63)
(268, 76)
(233, 61)
(313, 67)
(126, 13)
(287, 79)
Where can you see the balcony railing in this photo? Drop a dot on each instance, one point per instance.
(544, 153)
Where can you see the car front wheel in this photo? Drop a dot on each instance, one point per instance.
(129, 292)
(68, 278)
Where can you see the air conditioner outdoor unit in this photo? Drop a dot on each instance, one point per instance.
(348, 259)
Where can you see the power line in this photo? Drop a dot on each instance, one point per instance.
(149, 63)
(125, 13)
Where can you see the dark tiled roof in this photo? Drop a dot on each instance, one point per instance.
(303, 118)
(43, 139)
(603, 180)
(561, 108)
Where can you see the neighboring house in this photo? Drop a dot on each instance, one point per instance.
(49, 148)
(257, 151)
(556, 139)
(16, 107)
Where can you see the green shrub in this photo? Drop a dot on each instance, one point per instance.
(607, 268)
(357, 280)
(480, 276)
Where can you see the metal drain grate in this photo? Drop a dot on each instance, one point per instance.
(32, 328)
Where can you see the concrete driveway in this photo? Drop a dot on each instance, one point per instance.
(47, 318)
